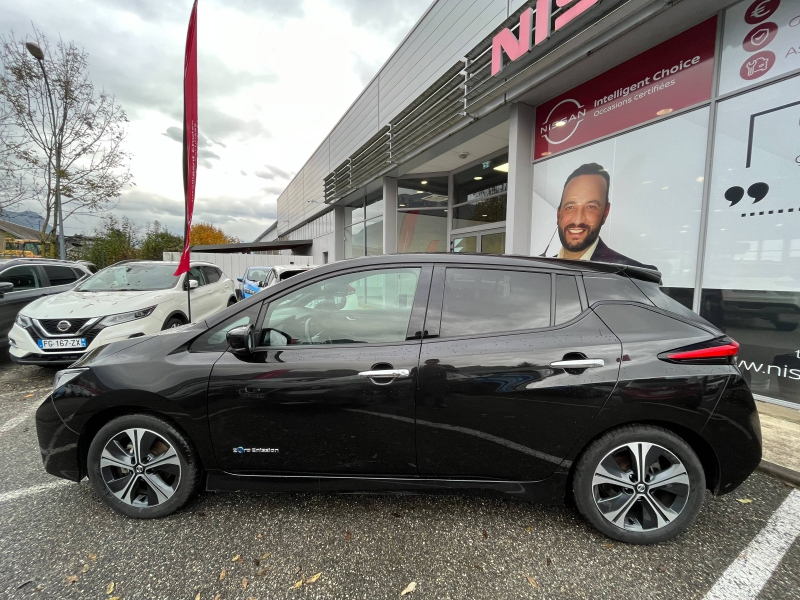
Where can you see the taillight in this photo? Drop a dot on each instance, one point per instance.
(716, 351)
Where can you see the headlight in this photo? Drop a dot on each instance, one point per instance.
(65, 376)
(23, 321)
(128, 316)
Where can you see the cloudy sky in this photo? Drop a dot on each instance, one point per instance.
(275, 77)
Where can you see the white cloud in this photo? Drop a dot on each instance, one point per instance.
(274, 78)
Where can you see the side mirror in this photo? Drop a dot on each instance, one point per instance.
(276, 337)
(6, 287)
(240, 339)
(239, 279)
(262, 284)
(190, 284)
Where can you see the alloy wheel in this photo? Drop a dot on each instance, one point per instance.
(640, 487)
(140, 468)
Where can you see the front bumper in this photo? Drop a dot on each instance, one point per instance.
(58, 444)
(25, 349)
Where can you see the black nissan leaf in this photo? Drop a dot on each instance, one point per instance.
(545, 379)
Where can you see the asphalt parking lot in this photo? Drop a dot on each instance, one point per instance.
(59, 541)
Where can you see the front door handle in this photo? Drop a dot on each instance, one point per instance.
(585, 363)
(384, 374)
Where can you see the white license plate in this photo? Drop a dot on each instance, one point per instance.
(62, 344)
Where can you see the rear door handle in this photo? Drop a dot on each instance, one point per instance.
(585, 363)
(384, 374)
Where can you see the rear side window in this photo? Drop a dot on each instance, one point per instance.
(60, 275)
(23, 277)
(568, 301)
(661, 300)
(609, 287)
(492, 301)
(286, 274)
(640, 324)
(212, 274)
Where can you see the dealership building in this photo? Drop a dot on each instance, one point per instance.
(464, 139)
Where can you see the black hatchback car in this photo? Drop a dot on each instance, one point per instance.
(540, 378)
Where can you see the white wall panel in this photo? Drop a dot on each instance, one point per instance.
(234, 265)
(357, 126)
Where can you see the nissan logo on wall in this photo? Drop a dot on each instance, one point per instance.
(63, 326)
(558, 131)
(535, 28)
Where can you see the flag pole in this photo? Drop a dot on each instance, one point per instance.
(190, 139)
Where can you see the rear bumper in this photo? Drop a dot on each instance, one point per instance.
(58, 444)
(734, 431)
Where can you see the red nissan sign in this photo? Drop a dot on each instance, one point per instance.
(671, 76)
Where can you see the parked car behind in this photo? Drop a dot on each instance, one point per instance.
(256, 279)
(541, 378)
(33, 278)
(126, 300)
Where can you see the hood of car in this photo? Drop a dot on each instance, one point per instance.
(92, 304)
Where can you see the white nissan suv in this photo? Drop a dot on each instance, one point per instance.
(126, 300)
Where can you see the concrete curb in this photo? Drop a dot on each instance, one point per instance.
(787, 475)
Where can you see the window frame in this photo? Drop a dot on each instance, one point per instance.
(414, 330)
(433, 319)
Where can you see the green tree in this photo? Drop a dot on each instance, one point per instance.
(158, 240)
(115, 240)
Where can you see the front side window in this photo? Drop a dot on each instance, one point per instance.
(23, 278)
(131, 277)
(492, 301)
(215, 339)
(196, 274)
(357, 308)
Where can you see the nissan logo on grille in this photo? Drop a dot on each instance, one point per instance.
(63, 326)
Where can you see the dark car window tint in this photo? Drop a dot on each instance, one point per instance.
(286, 274)
(365, 307)
(490, 301)
(215, 340)
(196, 273)
(610, 287)
(59, 275)
(568, 301)
(661, 300)
(23, 277)
(78, 273)
(639, 324)
(212, 274)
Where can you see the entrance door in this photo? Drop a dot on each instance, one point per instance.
(494, 400)
(312, 397)
(492, 241)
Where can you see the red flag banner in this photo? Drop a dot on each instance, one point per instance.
(190, 133)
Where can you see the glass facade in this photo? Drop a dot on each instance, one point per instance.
(363, 226)
(422, 214)
(480, 194)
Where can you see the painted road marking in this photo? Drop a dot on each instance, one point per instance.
(14, 421)
(16, 494)
(750, 571)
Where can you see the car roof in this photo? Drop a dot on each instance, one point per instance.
(9, 262)
(284, 268)
(466, 258)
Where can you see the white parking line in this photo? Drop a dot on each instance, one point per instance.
(747, 574)
(21, 417)
(16, 494)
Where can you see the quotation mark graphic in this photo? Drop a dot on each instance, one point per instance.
(757, 191)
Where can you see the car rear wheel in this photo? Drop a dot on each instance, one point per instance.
(231, 301)
(142, 467)
(639, 484)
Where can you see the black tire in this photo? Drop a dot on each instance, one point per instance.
(139, 498)
(643, 515)
(231, 301)
(172, 322)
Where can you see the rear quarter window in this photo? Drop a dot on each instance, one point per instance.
(612, 287)
(633, 323)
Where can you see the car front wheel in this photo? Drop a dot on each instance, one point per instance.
(142, 467)
(639, 484)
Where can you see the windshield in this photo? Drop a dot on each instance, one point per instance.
(131, 277)
(257, 274)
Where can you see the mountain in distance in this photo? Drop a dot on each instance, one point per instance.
(26, 218)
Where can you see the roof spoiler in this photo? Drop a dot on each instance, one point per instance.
(633, 272)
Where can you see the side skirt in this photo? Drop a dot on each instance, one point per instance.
(550, 490)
